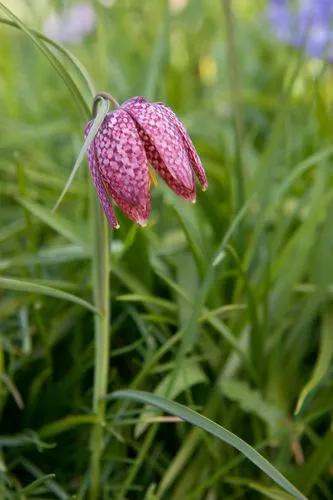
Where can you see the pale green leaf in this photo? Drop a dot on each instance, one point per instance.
(191, 374)
(250, 400)
(66, 424)
(19, 285)
(61, 225)
(323, 362)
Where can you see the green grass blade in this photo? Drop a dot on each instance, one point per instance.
(272, 493)
(19, 285)
(190, 237)
(158, 57)
(58, 66)
(194, 418)
(101, 114)
(232, 228)
(74, 60)
(35, 484)
(317, 463)
(148, 299)
(323, 362)
(52, 485)
(66, 424)
(251, 400)
(61, 225)
(190, 375)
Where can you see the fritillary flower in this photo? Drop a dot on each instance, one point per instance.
(133, 139)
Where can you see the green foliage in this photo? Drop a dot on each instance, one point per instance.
(226, 309)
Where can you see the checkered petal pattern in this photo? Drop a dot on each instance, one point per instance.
(101, 189)
(164, 145)
(190, 149)
(137, 134)
(118, 155)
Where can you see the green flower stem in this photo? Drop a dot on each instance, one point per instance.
(101, 271)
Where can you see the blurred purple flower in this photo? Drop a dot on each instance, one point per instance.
(72, 24)
(309, 25)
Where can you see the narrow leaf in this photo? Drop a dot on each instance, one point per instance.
(194, 418)
(147, 299)
(67, 423)
(71, 58)
(323, 362)
(191, 374)
(56, 222)
(251, 401)
(55, 62)
(101, 114)
(35, 484)
(233, 226)
(31, 287)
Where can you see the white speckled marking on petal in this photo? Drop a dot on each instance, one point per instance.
(191, 151)
(100, 188)
(164, 145)
(122, 164)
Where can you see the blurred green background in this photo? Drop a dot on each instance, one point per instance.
(255, 329)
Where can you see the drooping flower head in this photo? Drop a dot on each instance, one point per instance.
(133, 138)
(306, 24)
(72, 24)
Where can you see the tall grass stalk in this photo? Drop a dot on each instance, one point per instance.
(101, 270)
(235, 95)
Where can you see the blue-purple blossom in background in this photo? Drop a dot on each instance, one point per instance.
(72, 24)
(307, 24)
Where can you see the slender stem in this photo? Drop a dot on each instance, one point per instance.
(234, 83)
(101, 271)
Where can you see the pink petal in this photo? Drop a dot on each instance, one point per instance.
(163, 144)
(99, 185)
(122, 164)
(102, 192)
(191, 151)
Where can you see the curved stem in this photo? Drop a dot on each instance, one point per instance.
(103, 95)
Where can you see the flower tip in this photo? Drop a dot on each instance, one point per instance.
(204, 187)
(194, 200)
(142, 222)
(117, 226)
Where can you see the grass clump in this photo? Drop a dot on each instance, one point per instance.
(225, 307)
